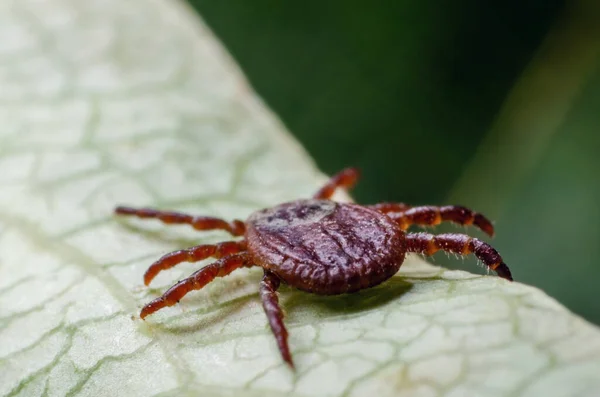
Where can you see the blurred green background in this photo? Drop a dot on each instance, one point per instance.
(494, 105)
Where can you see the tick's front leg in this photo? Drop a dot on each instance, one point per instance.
(428, 215)
(461, 244)
(270, 301)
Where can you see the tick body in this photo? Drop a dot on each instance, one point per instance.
(317, 245)
(325, 247)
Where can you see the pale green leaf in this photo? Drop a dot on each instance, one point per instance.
(110, 102)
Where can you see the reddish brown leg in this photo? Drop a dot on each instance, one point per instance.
(346, 178)
(389, 207)
(236, 227)
(430, 215)
(270, 301)
(197, 280)
(193, 254)
(461, 244)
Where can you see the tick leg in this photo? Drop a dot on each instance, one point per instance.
(270, 301)
(428, 244)
(346, 178)
(197, 280)
(193, 254)
(430, 215)
(236, 227)
(389, 207)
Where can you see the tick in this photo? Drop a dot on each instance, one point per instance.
(317, 245)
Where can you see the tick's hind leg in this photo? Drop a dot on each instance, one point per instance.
(197, 280)
(461, 244)
(270, 301)
(428, 215)
(236, 227)
(193, 254)
(346, 178)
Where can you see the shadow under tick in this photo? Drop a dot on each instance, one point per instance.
(357, 302)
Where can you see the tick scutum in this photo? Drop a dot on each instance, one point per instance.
(326, 247)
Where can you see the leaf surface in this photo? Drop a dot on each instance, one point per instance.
(109, 102)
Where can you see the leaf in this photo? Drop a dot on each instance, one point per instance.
(108, 102)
